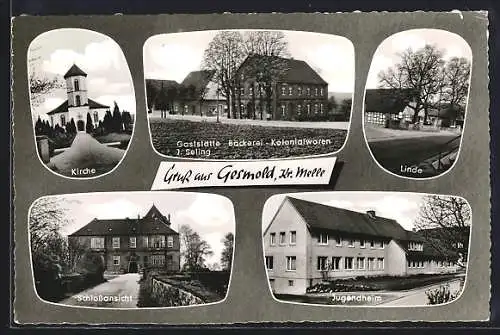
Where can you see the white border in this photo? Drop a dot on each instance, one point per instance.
(250, 160)
(31, 107)
(367, 292)
(121, 193)
(465, 116)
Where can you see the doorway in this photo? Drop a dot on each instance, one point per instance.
(80, 125)
(132, 267)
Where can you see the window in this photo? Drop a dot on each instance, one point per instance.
(145, 241)
(375, 118)
(316, 109)
(282, 90)
(299, 90)
(116, 242)
(176, 108)
(321, 92)
(116, 260)
(323, 238)
(382, 245)
(336, 263)
(77, 85)
(97, 243)
(269, 262)
(96, 117)
(290, 90)
(170, 241)
(290, 283)
(283, 110)
(308, 109)
(299, 109)
(348, 263)
(242, 91)
(415, 246)
(321, 108)
(322, 263)
(157, 241)
(157, 260)
(316, 91)
(78, 101)
(63, 120)
(350, 243)
(291, 263)
(338, 241)
(380, 262)
(272, 237)
(361, 263)
(361, 243)
(282, 237)
(133, 242)
(293, 237)
(372, 244)
(250, 90)
(371, 263)
(308, 90)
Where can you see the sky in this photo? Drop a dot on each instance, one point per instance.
(108, 76)
(400, 206)
(387, 52)
(212, 216)
(173, 56)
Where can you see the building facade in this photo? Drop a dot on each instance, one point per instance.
(276, 88)
(131, 244)
(307, 243)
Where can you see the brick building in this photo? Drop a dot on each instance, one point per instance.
(131, 244)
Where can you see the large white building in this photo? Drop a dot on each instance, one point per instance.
(78, 103)
(307, 243)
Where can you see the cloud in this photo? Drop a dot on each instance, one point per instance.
(173, 61)
(379, 63)
(125, 102)
(97, 56)
(402, 41)
(118, 208)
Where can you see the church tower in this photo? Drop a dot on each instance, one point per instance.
(76, 87)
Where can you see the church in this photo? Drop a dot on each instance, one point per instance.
(78, 103)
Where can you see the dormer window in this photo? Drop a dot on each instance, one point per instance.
(323, 239)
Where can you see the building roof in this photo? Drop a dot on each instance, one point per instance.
(160, 83)
(63, 108)
(294, 70)
(154, 222)
(386, 100)
(74, 71)
(198, 79)
(322, 217)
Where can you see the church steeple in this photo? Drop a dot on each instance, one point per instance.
(76, 86)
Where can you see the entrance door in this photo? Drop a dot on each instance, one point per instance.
(80, 125)
(132, 267)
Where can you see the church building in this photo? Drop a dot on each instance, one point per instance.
(78, 104)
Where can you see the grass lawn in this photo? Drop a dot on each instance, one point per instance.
(167, 133)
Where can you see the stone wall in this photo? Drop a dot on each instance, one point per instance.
(166, 294)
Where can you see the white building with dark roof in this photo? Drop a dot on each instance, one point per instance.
(307, 243)
(77, 104)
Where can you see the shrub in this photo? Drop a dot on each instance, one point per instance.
(441, 295)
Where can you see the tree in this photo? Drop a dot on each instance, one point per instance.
(332, 104)
(455, 85)
(116, 124)
(71, 127)
(194, 249)
(107, 122)
(345, 108)
(418, 77)
(444, 222)
(89, 127)
(226, 257)
(266, 43)
(127, 120)
(224, 55)
(151, 95)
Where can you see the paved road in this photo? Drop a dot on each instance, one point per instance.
(417, 297)
(375, 134)
(391, 154)
(269, 123)
(119, 292)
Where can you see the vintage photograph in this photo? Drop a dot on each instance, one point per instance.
(82, 101)
(132, 249)
(366, 248)
(415, 101)
(248, 94)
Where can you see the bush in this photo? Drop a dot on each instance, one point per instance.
(441, 295)
(92, 267)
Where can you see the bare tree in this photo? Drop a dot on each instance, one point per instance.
(224, 55)
(456, 84)
(39, 84)
(444, 222)
(416, 77)
(194, 249)
(226, 257)
(266, 43)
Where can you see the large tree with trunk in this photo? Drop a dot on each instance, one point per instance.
(194, 249)
(444, 222)
(224, 55)
(455, 85)
(418, 76)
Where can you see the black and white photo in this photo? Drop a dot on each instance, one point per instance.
(366, 248)
(415, 101)
(132, 249)
(248, 94)
(82, 102)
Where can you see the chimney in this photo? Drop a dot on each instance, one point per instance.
(138, 217)
(168, 218)
(371, 213)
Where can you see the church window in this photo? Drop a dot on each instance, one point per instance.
(63, 120)
(77, 85)
(96, 117)
(78, 100)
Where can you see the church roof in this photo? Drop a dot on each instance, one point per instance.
(74, 71)
(152, 223)
(63, 108)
